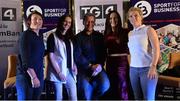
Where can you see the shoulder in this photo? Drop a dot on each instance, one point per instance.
(27, 33)
(150, 30)
(130, 33)
(80, 33)
(78, 36)
(97, 33)
(52, 35)
(50, 38)
(99, 36)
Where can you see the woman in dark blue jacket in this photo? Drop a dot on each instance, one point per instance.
(29, 79)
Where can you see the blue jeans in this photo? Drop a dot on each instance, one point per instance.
(94, 87)
(25, 90)
(70, 86)
(138, 78)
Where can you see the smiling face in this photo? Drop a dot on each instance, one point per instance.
(89, 23)
(135, 18)
(113, 20)
(36, 22)
(67, 23)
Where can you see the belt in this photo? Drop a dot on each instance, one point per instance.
(114, 55)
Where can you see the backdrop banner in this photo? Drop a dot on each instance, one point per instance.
(159, 13)
(10, 28)
(99, 7)
(51, 11)
(164, 16)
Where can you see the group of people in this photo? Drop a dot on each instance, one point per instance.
(78, 61)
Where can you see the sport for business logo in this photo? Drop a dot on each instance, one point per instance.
(33, 8)
(100, 11)
(145, 7)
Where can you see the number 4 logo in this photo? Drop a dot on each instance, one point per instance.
(8, 14)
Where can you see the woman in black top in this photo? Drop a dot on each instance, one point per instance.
(62, 68)
(29, 79)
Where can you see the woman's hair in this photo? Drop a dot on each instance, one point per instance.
(120, 32)
(108, 28)
(59, 29)
(30, 15)
(132, 9)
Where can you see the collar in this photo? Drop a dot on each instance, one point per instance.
(84, 32)
(138, 28)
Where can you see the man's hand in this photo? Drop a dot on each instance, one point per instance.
(97, 68)
(74, 69)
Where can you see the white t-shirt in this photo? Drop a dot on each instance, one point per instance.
(139, 47)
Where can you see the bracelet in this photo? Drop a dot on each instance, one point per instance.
(90, 65)
(153, 65)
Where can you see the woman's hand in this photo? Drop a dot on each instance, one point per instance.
(35, 82)
(74, 70)
(62, 77)
(152, 73)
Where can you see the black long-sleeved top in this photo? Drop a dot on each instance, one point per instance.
(89, 49)
(31, 51)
